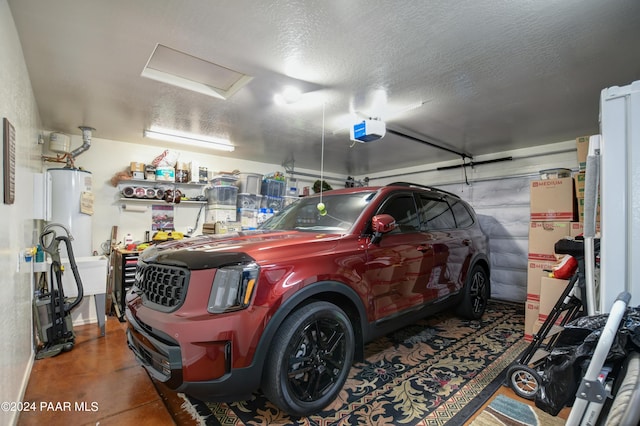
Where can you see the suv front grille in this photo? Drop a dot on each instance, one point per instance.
(163, 286)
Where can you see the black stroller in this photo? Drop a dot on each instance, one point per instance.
(524, 376)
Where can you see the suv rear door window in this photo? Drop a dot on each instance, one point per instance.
(463, 217)
(435, 214)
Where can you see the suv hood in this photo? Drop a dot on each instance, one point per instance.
(214, 251)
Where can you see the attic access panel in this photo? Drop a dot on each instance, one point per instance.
(189, 72)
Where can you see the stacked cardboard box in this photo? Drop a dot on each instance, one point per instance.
(582, 147)
(579, 182)
(553, 217)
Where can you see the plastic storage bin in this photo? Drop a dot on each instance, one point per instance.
(218, 213)
(249, 201)
(222, 194)
(273, 188)
(223, 180)
(250, 183)
(273, 203)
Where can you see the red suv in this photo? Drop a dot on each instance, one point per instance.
(287, 308)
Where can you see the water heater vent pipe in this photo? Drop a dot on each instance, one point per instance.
(86, 144)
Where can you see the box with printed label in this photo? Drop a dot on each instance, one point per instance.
(582, 147)
(536, 270)
(579, 183)
(553, 200)
(550, 291)
(581, 212)
(543, 237)
(577, 229)
(530, 318)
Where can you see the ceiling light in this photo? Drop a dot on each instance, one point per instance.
(289, 95)
(190, 139)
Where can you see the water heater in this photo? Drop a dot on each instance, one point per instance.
(67, 188)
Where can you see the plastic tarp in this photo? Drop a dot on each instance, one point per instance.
(565, 366)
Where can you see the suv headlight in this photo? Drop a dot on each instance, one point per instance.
(232, 288)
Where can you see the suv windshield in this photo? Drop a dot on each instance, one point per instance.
(341, 211)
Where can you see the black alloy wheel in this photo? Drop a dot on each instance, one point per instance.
(475, 295)
(309, 359)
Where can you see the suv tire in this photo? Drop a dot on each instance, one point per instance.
(475, 295)
(309, 359)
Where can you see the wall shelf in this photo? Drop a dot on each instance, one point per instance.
(158, 201)
(156, 183)
(188, 189)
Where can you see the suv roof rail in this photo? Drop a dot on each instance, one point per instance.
(431, 188)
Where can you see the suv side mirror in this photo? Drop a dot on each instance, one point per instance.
(381, 224)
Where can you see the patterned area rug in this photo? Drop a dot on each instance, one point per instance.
(438, 370)
(508, 412)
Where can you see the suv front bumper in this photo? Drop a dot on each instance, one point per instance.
(162, 358)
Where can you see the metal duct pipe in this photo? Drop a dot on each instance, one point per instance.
(86, 144)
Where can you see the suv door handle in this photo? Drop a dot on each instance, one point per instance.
(424, 248)
(466, 242)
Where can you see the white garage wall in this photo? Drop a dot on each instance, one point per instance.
(499, 192)
(18, 105)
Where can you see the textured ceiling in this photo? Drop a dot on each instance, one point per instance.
(492, 75)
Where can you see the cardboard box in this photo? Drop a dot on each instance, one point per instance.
(537, 325)
(581, 212)
(543, 237)
(536, 270)
(165, 174)
(553, 200)
(136, 167)
(550, 291)
(579, 179)
(582, 146)
(577, 229)
(579, 184)
(530, 318)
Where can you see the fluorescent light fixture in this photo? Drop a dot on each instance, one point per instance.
(189, 139)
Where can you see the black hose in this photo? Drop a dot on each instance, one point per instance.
(56, 329)
(76, 274)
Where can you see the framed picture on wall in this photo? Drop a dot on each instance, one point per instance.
(9, 155)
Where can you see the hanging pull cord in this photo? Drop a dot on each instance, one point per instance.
(464, 168)
(321, 207)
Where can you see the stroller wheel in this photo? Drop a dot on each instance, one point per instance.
(524, 381)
